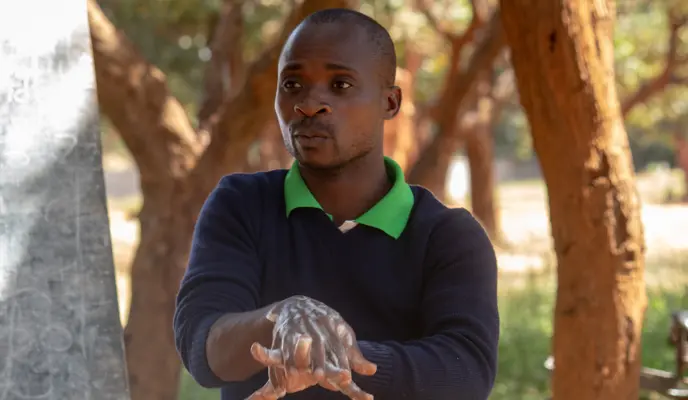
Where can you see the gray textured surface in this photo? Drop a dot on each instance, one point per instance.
(60, 335)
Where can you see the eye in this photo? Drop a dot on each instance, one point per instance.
(341, 85)
(290, 85)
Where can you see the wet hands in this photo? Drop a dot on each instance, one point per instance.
(312, 345)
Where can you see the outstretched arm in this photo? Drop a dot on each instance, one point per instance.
(457, 357)
(217, 317)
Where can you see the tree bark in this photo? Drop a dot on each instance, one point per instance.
(562, 64)
(431, 169)
(178, 167)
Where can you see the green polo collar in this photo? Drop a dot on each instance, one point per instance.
(390, 214)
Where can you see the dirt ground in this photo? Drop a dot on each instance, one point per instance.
(523, 214)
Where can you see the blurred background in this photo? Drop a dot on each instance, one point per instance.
(173, 73)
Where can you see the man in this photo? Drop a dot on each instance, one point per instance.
(336, 278)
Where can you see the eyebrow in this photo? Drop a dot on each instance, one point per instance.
(295, 66)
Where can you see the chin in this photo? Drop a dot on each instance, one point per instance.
(318, 163)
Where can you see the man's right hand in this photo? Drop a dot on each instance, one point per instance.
(332, 351)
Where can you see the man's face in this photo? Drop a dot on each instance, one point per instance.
(331, 101)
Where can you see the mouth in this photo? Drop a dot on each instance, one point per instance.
(311, 135)
(310, 140)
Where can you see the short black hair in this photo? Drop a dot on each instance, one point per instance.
(377, 33)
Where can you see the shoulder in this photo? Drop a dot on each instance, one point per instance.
(252, 190)
(238, 201)
(450, 232)
(436, 216)
(252, 183)
(245, 194)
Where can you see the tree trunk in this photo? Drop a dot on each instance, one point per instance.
(563, 64)
(681, 146)
(225, 71)
(479, 151)
(160, 261)
(179, 167)
(479, 142)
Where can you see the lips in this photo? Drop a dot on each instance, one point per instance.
(310, 140)
(311, 135)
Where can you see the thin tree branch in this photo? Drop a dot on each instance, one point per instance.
(458, 43)
(486, 51)
(223, 76)
(668, 75)
(492, 42)
(480, 11)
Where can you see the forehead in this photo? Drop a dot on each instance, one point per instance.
(335, 43)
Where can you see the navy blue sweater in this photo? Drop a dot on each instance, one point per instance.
(423, 305)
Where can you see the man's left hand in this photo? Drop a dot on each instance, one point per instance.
(295, 380)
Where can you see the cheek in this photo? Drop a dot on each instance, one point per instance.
(283, 108)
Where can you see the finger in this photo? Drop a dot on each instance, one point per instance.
(289, 345)
(354, 392)
(336, 345)
(359, 363)
(265, 356)
(334, 373)
(279, 380)
(302, 352)
(267, 392)
(356, 359)
(318, 354)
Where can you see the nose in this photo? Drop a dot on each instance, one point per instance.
(312, 108)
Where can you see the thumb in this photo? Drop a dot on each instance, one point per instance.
(359, 363)
(265, 356)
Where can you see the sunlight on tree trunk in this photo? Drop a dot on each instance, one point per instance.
(563, 65)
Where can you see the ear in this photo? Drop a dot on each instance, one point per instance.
(392, 102)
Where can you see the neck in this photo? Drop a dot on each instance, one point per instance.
(349, 191)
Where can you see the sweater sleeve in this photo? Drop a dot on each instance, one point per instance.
(222, 276)
(456, 357)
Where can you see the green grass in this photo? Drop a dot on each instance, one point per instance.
(526, 305)
(527, 329)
